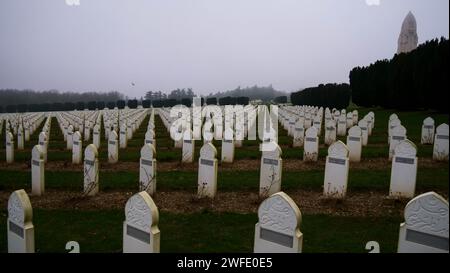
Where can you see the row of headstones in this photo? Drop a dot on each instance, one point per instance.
(74, 140)
(214, 124)
(440, 138)
(357, 137)
(147, 170)
(303, 117)
(402, 185)
(425, 230)
(9, 137)
(28, 121)
(125, 125)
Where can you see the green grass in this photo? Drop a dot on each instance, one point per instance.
(101, 231)
(359, 180)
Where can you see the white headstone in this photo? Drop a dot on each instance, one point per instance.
(140, 228)
(69, 137)
(336, 171)
(43, 141)
(440, 149)
(150, 137)
(354, 143)
(87, 131)
(427, 131)
(113, 147)
(227, 153)
(278, 227)
(147, 170)
(20, 138)
(123, 136)
(392, 124)
(37, 171)
(270, 172)
(90, 170)
(9, 148)
(398, 134)
(26, 132)
(299, 134)
(20, 226)
(188, 147)
(404, 170)
(96, 136)
(330, 132)
(342, 125)
(425, 229)
(77, 147)
(207, 171)
(349, 120)
(311, 149)
(355, 116)
(362, 124)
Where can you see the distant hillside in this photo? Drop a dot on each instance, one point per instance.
(264, 93)
(15, 97)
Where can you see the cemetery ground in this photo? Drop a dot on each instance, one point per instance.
(227, 223)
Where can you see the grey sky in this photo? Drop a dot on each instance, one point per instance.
(209, 45)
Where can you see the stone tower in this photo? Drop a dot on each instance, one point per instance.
(407, 41)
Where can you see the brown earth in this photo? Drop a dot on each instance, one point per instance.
(237, 165)
(361, 204)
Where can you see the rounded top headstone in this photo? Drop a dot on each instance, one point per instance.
(311, 132)
(76, 136)
(141, 212)
(272, 150)
(362, 123)
(150, 134)
(393, 116)
(331, 124)
(37, 152)
(428, 121)
(405, 148)
(338, 149)
(42, 136)
(442, 129)
(279, 213)
(428, 213)
(208, 151)
(355, 131)
(19, 208)
(148, 151)
(399, 131)
(112, 135)
(91, 152)
(300, 123)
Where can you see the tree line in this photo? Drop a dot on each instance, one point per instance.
(14, 96)
(264, 93)
(330, 95)
(409, 81)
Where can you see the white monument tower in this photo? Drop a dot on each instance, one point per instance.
(407, 41)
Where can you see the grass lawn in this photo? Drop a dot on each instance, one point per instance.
(359, 180)
(101, 231)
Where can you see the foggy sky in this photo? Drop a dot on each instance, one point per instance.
(208, 45)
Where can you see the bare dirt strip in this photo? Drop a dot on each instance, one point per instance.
(361, 204)
(237, 165)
